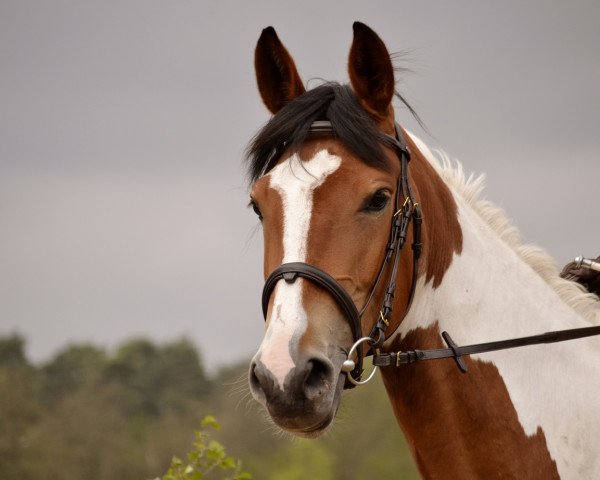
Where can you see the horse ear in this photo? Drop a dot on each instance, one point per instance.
(276, 74)
(371, 71)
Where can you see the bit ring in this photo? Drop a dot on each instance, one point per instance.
(349, 364)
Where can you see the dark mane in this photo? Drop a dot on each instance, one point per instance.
(290, 126)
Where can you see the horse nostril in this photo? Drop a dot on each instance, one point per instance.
(318, 380)
(261, 381)
(254, 379)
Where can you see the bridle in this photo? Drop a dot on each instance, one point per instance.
(407, 210)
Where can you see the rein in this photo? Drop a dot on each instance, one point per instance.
(407, 210)
(456, 352)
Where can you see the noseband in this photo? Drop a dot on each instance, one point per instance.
(406, 210)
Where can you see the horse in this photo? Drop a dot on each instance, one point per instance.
(339, 188)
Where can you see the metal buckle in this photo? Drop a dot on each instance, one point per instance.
(406, 202)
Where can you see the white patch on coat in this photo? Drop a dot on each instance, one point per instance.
(498, 289)
(296, 182)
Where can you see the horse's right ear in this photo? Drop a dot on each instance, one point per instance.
(276, 74)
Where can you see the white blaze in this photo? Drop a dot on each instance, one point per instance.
(296, 182)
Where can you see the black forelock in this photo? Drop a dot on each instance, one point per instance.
(350, 122)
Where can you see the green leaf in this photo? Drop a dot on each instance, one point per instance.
(216, 456)
(215, 451)
(205, 455)
(228, 462)
(199, 446)
(193, 456)
(210, 421)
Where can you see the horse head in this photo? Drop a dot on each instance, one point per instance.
(326, 200)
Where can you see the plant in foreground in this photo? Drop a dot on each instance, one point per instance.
(207, 459)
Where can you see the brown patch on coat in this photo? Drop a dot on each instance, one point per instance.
(462, 425)
(353, 253)
(372, 78)
(442, 235)
(270, 204)
(347, 243)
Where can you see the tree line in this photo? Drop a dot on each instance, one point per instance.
(88, 413)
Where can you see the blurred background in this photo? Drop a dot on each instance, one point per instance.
(130, 267)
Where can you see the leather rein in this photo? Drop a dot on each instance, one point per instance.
(407, 210)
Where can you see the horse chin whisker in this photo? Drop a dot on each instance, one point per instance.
(243, 398)
(251, 404)
(271, 427)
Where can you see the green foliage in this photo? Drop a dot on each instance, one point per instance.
(208, 457)
(95, 415)
(19, 405)
(87, 414)
(156, 378)
(70, 371)
(12, 353)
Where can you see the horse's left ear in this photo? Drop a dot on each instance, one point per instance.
(371, 72)
(276, 74)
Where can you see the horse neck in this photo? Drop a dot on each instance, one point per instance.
(498, 417)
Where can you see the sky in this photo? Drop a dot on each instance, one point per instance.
(123, 124)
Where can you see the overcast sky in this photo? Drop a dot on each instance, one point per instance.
(123, 125)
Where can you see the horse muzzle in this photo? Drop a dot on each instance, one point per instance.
(307, 402)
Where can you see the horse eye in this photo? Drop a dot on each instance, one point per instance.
(254, 206)
(378, 201)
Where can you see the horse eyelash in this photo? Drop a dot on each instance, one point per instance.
(254, 206)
